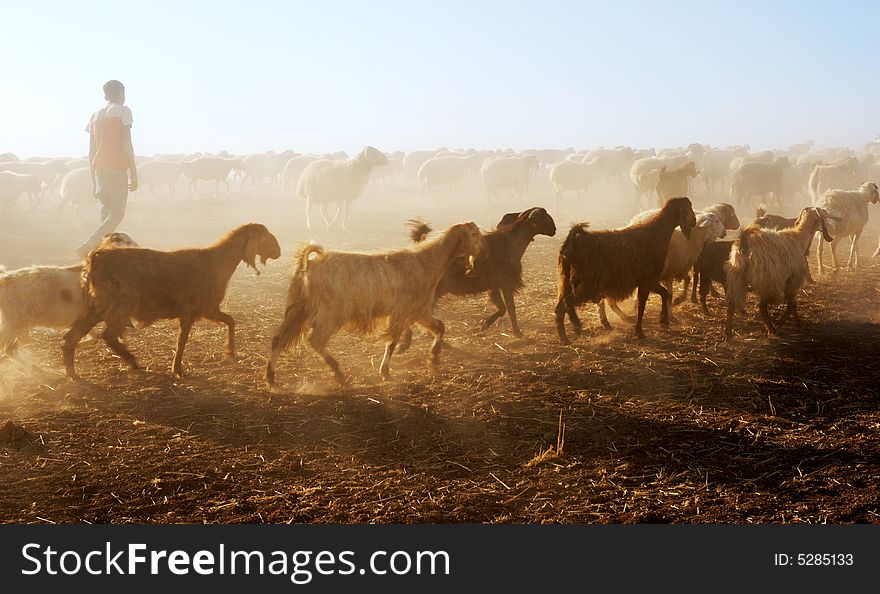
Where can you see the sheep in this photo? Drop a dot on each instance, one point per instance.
(76, 192)
(446, 171)
(12, 185)
(572, 176)
(414, 160)
(499, 273)
(49, 172)
(511, 172)
(293, 169)
(360, 291)
(159, 173)
(44, 296)
(716, 167)
(841, 175)
(771, 264)
(644, 173)
(148, 285)
(756, 179)
(598, 265)
(848, 213)
(329, 180)
(210, 168)
(675, 181)
(260, 167)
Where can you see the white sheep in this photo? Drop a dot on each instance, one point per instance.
(155, 173)
(447, 170)
(329, 180)
(265, 166)
(76, 193)
(773, 265)
(293, 169)
(414, 160)
(210, 168)
(756, 179)
(572, 176)
(644, 173)
(842, 175)
(847, 215)
(43, 296)
(508, 172)
(13, 185)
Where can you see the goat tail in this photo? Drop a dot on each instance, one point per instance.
(760, 211)
(737, 286)
(418, 230)
(302, 259)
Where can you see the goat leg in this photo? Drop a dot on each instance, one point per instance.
(318, 341)
(665, 305)
(182, 336)
(511, 311)
(227, 319)
(500, 309)
(643, 299)
(85, 322)
(438, 329)
(684, 294)
(386, 358)
(765, 316)
(603, 317)
(405, 341)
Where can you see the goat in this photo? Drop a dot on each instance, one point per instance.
(595, 265)
(149, 285)
(848, 214)
(44, 296)
(771, 221)
(500, 272)
(773, 265)
(358, 291)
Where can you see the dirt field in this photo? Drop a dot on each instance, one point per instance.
(677, 427)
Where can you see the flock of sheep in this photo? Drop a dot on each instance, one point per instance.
(121, 283)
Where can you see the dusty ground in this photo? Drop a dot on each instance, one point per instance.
(678, 427)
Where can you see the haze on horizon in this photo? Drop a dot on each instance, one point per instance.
(338, 75)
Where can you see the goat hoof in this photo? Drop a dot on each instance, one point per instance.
(518, 334)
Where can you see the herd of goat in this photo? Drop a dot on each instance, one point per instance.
(121, 283)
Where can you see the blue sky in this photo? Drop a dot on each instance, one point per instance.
(328, 75)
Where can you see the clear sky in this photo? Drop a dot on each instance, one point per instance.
(250, 76)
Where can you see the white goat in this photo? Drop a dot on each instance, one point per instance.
(773, 265)
(44, 296)
(847, 215)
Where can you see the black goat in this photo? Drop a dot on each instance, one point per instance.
(500, 272)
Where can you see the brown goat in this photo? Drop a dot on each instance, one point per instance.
(772, 221)
(595, 265)
(675, 181)
(363, 291)
(499, 273)
(149, 285)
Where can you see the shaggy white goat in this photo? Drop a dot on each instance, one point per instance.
(847, 214)
(773, 265)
